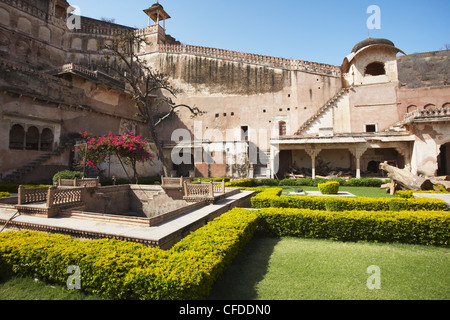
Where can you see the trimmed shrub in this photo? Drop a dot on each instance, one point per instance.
(241, 183)
(418, 227)
(4, 194)
(271, 198)
(124, 270)
(354, 182)
(67, 174)
(268, 182)
(331, 187)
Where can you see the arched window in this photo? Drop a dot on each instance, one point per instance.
(375, 69)
(16, 137)
(429, 106)
(282, 128)
(46, 140)
(32, 139)
(411, 108)
(446, 105)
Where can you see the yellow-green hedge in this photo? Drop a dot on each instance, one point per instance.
(331, 187)
(413, 227)
(124, 270)
(271, 198)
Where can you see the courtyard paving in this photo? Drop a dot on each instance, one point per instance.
(163, 235)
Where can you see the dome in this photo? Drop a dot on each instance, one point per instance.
(371, 41)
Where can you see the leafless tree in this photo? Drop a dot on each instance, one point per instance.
(149, 89)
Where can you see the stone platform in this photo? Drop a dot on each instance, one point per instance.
(163, 235)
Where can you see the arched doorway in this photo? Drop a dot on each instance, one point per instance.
(16, 137)
(46, 140)
(32, 139)
(444, 160)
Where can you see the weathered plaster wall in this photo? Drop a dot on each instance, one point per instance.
(429, 138)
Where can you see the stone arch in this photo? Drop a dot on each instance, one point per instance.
(411, 108)
(375, 69)
(92, 45)
(24, 24)
(446, 105)
(5, 17)
(77, 43)
(32, 138)
(45, 33)
(16, 137)
(23, 51)
(46, 141)
(4, 42)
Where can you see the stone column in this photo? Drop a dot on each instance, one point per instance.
(274, 160)
(357, 152)
(405, 152)
(313, 153)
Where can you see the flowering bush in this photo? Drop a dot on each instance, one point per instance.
(128, 148)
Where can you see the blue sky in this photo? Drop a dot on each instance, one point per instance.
(320, 31)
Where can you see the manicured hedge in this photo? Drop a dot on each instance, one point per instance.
(4, 194)
(14, 187)
(270, 198)
(354, 182)
(123, 270)
(331, 187)
(413, 227)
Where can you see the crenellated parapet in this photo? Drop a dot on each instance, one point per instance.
(288, 64)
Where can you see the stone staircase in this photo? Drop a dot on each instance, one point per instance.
(17, 174)
(330, 103)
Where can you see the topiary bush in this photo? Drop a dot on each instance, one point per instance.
(67, 174)
(331, 187)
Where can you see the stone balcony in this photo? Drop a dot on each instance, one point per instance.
(431, 115)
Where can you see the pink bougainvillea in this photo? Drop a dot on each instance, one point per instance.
(129, 148)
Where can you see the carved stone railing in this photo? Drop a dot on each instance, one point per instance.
(28, 8)
(84, 182)
(174, 182)
(32, 195)
(439, 114)
(196, 192)
(218, 187)
(64, 196)
(48, 201)
(251, 58)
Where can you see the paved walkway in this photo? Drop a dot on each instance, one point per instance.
(442, 196)
(163, 235)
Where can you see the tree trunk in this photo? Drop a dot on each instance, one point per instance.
(406, 179)
(159, 148)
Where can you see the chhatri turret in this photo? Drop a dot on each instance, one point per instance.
(155, 34)
(157, 13)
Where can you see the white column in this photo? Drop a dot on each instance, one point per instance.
(357, 152)
(313, 153)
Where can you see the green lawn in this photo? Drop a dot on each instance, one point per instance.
(29, 289)
(272, 268)
(357, 191)
(304, 269)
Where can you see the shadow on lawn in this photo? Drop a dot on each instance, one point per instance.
(240, 279)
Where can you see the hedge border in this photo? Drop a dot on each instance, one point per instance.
(410, 227)
(271, 198)
(123, 270)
